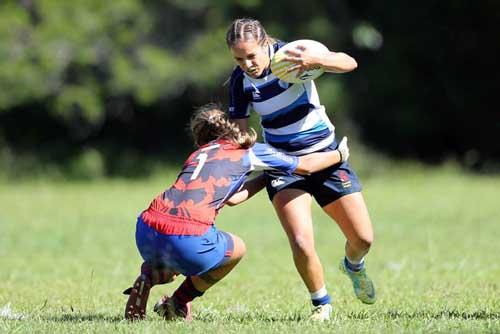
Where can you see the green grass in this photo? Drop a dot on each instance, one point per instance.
(67, 251)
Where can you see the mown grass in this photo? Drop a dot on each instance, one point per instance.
(67, 252)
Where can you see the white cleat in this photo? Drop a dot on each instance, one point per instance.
(321, 313)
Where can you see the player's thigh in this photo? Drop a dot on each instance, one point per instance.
(338, 191)
(238, 248)
(293, 207)
(351, 214)
(235, 250)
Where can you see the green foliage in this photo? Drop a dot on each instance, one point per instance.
(109, 73)
(88, 166)
(78, 53)
(82, 100)
(61, 51)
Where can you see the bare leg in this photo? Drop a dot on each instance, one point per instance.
(352, 217)
(179, 305)
(207, 280)
(293, 207)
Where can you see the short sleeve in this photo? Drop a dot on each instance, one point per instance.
(263, 156)
(278, 45)
(238, 101)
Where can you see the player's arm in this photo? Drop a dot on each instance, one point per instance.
(335, 62)
(239, 105)
(241, 122)
(263, 156)
(315, 162)
(249, 188)
(306, 164)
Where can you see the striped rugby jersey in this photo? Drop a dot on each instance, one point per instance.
(292, 118)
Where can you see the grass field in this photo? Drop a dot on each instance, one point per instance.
(67, 252)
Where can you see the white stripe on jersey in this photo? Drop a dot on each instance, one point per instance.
(316, 147)
(211, 147)
(306, 123)
(279, 101)
(312, 93)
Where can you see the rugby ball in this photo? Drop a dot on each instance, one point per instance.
(279, 66)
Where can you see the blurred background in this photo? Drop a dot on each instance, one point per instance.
(92, 89)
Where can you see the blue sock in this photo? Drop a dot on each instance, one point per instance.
(320, 297)
(321, 301)
(354, 266)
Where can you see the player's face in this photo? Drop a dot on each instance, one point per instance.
(252, 57)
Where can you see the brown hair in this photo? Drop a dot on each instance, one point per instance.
(245, 30)
(209, 123)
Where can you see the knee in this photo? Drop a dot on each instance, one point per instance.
(302, 245)
(240, 248)
(243, 248)
(363, 243)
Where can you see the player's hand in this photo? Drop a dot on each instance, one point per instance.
(303, 59)
(343, 150)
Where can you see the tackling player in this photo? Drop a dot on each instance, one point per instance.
(176, 233)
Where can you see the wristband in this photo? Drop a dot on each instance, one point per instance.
(341, 157)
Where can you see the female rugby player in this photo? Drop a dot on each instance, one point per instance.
(295, 122)
(176, 233)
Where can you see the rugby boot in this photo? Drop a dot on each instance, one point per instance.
(138, 298)
(362, 284)
(321, 313)
(169, 309)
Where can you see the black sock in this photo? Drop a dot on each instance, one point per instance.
(186, 292)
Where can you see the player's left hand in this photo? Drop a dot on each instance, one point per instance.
(303, 59)
(343, 150)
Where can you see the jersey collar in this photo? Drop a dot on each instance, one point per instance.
(270, 52)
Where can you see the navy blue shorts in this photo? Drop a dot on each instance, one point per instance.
(185, 254)
(325, 186)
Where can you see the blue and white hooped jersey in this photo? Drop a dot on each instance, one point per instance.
(292, 118)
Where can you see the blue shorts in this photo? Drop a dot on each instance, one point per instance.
(325, 186)
(186, 254)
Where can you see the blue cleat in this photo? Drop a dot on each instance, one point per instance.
(362, 284)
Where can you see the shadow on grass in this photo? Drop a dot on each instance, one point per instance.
(246, 317)
(446, 314)
(83, 317)
(288, 317)
(208, 318)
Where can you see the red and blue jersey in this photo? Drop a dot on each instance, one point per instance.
(209, 177)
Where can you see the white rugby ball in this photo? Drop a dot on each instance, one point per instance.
(279, 66)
